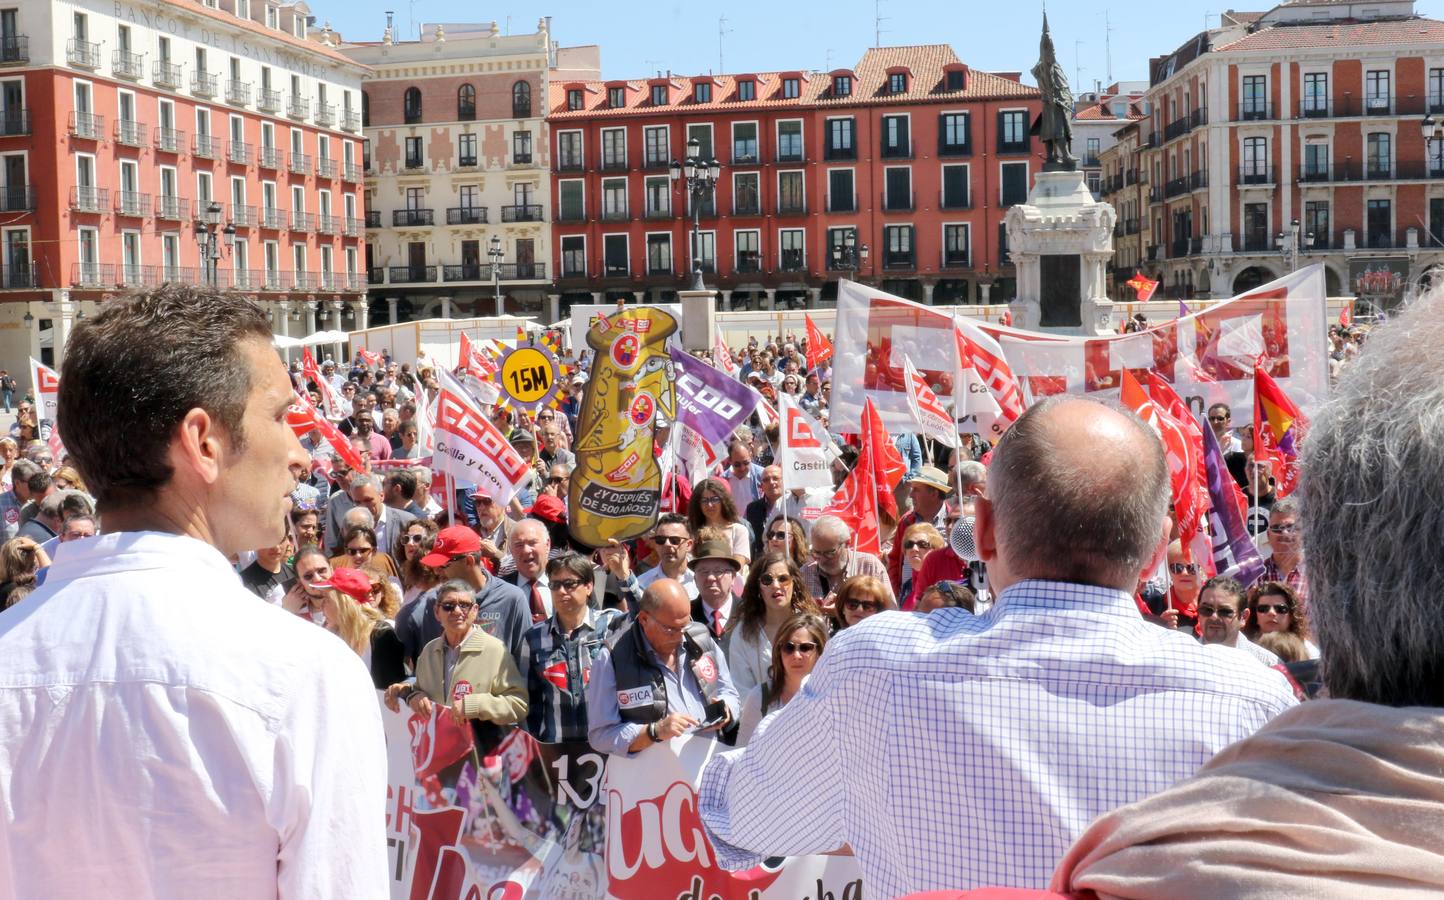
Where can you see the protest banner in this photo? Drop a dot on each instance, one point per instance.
(803, 451)
(616, 488)
(503, 817)
(709, 401)
(470, 448)
(47, 401)
(928, 414)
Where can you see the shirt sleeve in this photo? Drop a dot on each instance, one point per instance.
(751, 800)
(606, 731)
(505, 702)
(726, 690)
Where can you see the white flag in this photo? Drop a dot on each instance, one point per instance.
(695, 456)
(804, 453)
(932, 420)
(471, 449)
(974, 406)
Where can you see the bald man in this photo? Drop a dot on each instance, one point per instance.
(659, 677)
(1007, 732)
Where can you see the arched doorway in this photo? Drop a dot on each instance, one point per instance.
(1333, 284)
(1251, 278)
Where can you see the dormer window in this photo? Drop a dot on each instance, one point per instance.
(897, 83)
(574, 99)
(957, 80)
(616, 97)
(791, 88)
(747, 89)
(842, 85)
(273, 18)
(659, 95)
(702, 92)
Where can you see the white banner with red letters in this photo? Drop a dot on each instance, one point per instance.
(470, 448)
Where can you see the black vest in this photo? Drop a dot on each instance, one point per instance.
(641, 687)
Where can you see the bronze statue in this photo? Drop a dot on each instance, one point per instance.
(1055, 126)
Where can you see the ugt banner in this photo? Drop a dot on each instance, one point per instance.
(513, 819)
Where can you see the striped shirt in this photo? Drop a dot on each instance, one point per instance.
(558, 667)
(819, 584)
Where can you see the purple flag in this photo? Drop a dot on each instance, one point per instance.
(1182, 309)
(1234, 554)
(709, 401)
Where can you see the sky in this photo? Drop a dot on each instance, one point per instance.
(769, 36)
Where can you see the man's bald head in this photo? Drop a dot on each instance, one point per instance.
(1078, 491)
(666, 597)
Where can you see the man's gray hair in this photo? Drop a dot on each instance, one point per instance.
(1286, 506)
(50, 506)
(365, 480)
(454, 586)
(24, 469)
(1370, 489)
(1097, 523)
(970, 472)
(357, 515)
(832, 526)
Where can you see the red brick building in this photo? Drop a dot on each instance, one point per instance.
(912, 153)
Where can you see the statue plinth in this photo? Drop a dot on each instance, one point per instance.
(1060, 242)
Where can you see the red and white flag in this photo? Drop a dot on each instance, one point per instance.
(1346, 315)
(856, 501)
(302, 417)
(47, 404)
(723, 357)
(819, 348)
(887, 463)
(986, 356)
(472, 450)
(803, 453)
(931, 418)
(1178, 450)
(328, 396)
(371, 358)
(474, 363)
(973, 403)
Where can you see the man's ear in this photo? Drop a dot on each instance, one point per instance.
(985, 536)
(199, 447)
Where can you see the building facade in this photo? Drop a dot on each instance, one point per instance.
(456, 170)
(1124, 184)
(128, 126)
(1297, 136)
(911, 153)
(1096, 116)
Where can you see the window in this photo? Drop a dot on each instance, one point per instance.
(415, 198)
(1316, 94)
(840, 139)
(468, 196)
(1316, 222)
(703, 135)
(702, 92)
(411, 105)
(614, 255)
(659, 254)
(466, 103)
(954, 136)
(170, 256)
(897, 83)
(614, 148)
(747, 89)
(790, 243)
(1380, 225)
(791, 88)
(1255, 227)
(465, 148)
(956, 80)
(659, 95)
(1255, 161)
(658, 192)
(895, 143)
(569, 150)
(897, 243)
(413, 153)
(1376, 91)
(614, 198)
(790, 197)
(657, 146)
(748, 246)
(365, 109)
(1436, 90)
(840, 191)
(789, 141)
(1013, 131)
(1090, 157)
(521, 100)
(746, 194)
(842, 85)
(571, 200)
(1015, 183)
(898, 184)
(744, 142)
(1434, 153)
(574, 256)
(521, 147)
(955, 187)
(707, 251)
(574, 99)
(1254, 102)
(616, 97)
(955, 246)
(1377, 153)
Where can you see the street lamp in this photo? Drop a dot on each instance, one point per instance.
(494, 251)
(849, 256)
(700, 178)
(1293, 242)
(208, 232)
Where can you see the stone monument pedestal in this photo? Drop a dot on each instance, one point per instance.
(1061, 241)
(699, 316)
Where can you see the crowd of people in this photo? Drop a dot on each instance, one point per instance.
(1065, 655)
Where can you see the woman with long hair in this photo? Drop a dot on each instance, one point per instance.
(9, 452)
(1275, 607)
(795, 652)
(711, 506)
(351, 603)
(20, 559)
(413, 542)
(774, 592)
(68, 479)
(859, 597)
(785, 536)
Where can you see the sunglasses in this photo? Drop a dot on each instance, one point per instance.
(413, 538)
(777, 536)
(671, 540)
(770, 580)
(1205, 611)
(454, 605)
(916, 545)
(569, 584)
(1184, 568)
(1283, 529)
(708, 501)
(359, 551)
(555, 479)
(1280, 608)
(1218, 418)
(869, 606)
(792, 647)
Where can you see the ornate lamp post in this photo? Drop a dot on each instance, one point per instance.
(494, 253)
(700, 178)
(850, 256)
(1293, 242)
(208, 232)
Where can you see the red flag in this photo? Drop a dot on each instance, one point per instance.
(371, 358)
(1278, 430)
(887, 463)
(1177, 451)
(856, 503)
(1190, 515)
(819, 348)
(313, 372)
(302, 417)
(1143, 286)
(473, 363)
(1346, 315)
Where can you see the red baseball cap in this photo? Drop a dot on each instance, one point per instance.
(352, 582)
(453, 541)
(549, 509)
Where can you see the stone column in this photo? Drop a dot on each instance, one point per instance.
(771, 298)
(599, 298)
(33, 337)
(928, 293)
(640, 297)
(812, 295)
(362, 312)
(725, 303)
(310, 318)
(63, 321)
(554, 307)
(984, 289)
(699, 315)
(391, 309)
(445, 307)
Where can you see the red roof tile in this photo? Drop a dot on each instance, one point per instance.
(1339, 35)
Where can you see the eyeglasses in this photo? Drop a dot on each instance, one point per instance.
(555, 479)
(777, 536)
(454, 605)
(916, 545)
(672, 630)
(713, 574)
(826, 554)
(671, 540)
(792, 647)
(1290, 528)
(869, 606)
(569, 584)
(413, 538)
(711, 499)
(359, 551)
(1184, 568)
(1218, 418)
(770, 580)
(1205, 611)
(1280, 608)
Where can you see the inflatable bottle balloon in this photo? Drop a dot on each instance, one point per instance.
(616, 486)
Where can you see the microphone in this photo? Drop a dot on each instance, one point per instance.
(960, 538)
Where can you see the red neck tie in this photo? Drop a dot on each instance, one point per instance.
(717, 622)
(538, 611)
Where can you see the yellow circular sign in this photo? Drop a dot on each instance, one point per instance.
(527, 375)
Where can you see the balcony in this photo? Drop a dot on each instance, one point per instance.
(298, 107)
(947, 149)
(82, 54)
(837, 153)
(897, 151)
(663, 211)
(302, 221)
(524, 212)
(1349, 106)
(466, 215)
(412, 274)
(305, 281)
(413, 163)
(897, 201)
(465, 161)
(1175, 129)
(1174, 187)
(238, 93)
(268, 100)
(239, 152)
(1254, 111)
(133, 276)
(241, 279)
(270, 158)
(899, 261)
(243, 216)
(21, 276)
(206, 147)
(89, 199)
(373, 218)
(955, 259)
(273, 218)
(466, 272)
(17, 198)
(749, 207)
(350, 172)
(92, 275)
(792, 261)
(788, 208)
(131, 133)
(614, 164)
(1023, 145)
(325, 114)
(204, 84)
(786, 155)
(124, 64)
(132, 204)
(166, 74)
(14, 48)
(615, 214)
(351, 120)
(327, 224)
(948, 200)
(1130, 226)
(412, 218)
(569, 162)
(87, 125)
(351, 227)
(326, 167)
(520, 271)
(842, 204)
(1089, 161)
(300, 164)
(1256, 176)
(168, 140)
(1197, 181)
(375, 275)
(14, 123)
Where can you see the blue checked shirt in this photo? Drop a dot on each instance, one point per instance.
(955, 751)
(550, 660)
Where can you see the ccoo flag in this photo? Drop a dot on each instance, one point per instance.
(708, 401)
(471, 449)
(931, 418)
(803, 454)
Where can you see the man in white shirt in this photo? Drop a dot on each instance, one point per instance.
(152, 710)
(672, 543)
(1223, 611)
(530, 547)
(1220, 419)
